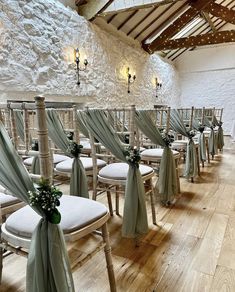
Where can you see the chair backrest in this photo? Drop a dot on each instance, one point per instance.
(5, 117)
(123, 122)
(161, 118)
(218, 112)
(38, 110)
(187, 115)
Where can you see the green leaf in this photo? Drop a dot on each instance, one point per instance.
(54, 217)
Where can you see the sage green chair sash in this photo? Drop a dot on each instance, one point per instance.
(212, 141)
(81, 126)
(176, 123)
(35, 167)
(220, 138)
(48, 267)
(135, 214)
(201, 139)
(167, 182)
(78, 179)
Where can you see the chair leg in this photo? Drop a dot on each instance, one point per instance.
(177, 175)
(117, 200)
(152, 203)
(110, 203)
(108, 257)
(153, 208)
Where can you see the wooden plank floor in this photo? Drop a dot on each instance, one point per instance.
(191, 249)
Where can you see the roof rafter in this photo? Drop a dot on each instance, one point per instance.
(176, 26)
(207, 18)
(129, 17)
(216, 22)
(222, 12)
(199, 40)
(169, 18)
(93, 8)
(152, 22)
(123, 6)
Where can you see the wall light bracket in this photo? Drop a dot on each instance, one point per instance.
(130, 79)
(78, 67)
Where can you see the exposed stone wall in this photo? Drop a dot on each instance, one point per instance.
(207, 78)
(36, 41)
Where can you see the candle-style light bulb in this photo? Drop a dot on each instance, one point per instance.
(77, 53)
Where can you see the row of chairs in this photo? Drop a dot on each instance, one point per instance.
(107, 176)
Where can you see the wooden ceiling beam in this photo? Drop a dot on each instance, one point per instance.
(120, 6)
(129, 17)
(142, 20)
(176, 26)
(217, 24)
(153, 21)
(207, 18)
(93, 8)
(166, 21)
(218, 37)
(222, 12)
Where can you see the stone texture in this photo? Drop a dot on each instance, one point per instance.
(36, 41)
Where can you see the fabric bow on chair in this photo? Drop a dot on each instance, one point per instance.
(167, 183)
(78, 181)
(135, 214)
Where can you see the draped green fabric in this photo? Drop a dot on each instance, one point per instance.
(135, 215)
(81, 126)
(215, 121)
(220, 134)
(191, 160)
(167, 182)
(212, 149)
(216, 142)
(48, 265)
(220, 138)
(201, 139)
(178, 126)
(202, 145)
(19, 124)
(212, 140)
(35, 167)
(78, 180)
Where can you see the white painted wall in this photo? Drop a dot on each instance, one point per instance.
(207, 78)
(37, 38)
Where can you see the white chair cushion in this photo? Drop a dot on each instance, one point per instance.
(155, 153)
(76, 213)
(56, 157)
(118, 171)
(66, 166)
(86, 145)
(7, 200)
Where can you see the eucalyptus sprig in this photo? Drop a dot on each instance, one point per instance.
(201, 128)
(74, 149)
(167, 138)
(47, 198)
(191, 133)
(133, 156)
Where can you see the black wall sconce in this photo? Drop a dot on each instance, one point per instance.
(130, 79)
(158, 85)
(77, 61)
